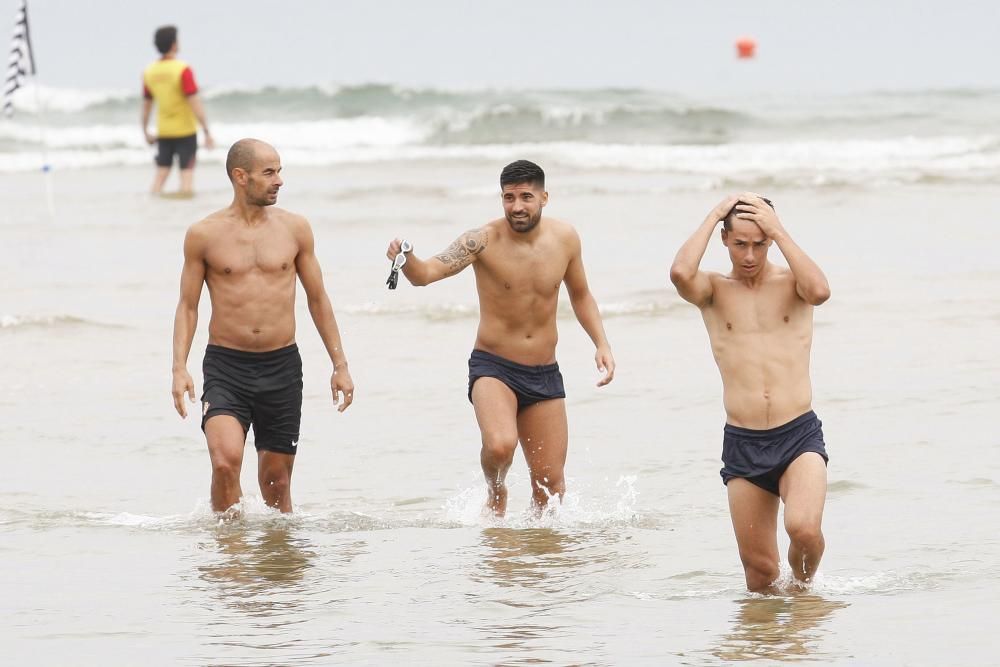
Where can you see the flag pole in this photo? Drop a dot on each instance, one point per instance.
(21, 65)
(50, 199)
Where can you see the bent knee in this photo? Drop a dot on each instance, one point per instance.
(277, 483)
(804, 532)
(761, 571)
(760, 576)
(226, 467)
(552, 482)
(499, 446)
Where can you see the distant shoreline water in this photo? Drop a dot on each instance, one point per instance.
(879, 138)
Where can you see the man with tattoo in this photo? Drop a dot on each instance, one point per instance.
(515, 386)
(759, 318)
(249, 255)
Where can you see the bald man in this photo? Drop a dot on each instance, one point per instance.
(249, 255)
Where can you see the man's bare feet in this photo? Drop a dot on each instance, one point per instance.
(496, 500)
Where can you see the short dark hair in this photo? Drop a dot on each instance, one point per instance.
(164, 38)
(522, 171)
(727, 222)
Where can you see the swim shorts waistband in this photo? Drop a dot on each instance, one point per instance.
(246, 355)
(513, 365)
(771, 432)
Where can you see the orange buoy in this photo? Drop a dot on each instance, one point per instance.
(746, 48)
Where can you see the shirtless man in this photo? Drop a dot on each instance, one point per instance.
(759, 318)
(249, 255)
(515, 386)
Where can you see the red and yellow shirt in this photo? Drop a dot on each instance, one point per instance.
(168, 82)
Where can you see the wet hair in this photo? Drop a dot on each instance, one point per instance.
(241, 154)
(522, 171)
(164, 38)
(727, 222)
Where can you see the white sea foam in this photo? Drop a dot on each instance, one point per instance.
(373, 141)
(33, 98)
(863, 140)
(14, 322)
(580, 507)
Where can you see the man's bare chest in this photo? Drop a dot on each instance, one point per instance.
(774, 310)
(241, 255)
(525, 275)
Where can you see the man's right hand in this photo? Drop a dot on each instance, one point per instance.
(394, 249)
(723, 208)
(150, 137)
(183, 384)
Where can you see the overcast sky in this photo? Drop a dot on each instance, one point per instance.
(682, 46)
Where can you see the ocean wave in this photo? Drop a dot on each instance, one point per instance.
(865, 140)
(866, 163)
(446, 312)
(610, 115)
(18, 322)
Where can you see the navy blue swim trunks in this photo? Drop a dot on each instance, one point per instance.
(185, 148)
(530, 384)
(262, 389)
(761, 457)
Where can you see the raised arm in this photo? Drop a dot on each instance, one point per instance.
(321, 310)
(585, 308)
(186, 316)
(810, 282)
(462, 252)
(691, 282)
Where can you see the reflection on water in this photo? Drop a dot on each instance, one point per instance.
(787, 629)
(533, 557)
(257, 586)
(525, 627)
(259, 571)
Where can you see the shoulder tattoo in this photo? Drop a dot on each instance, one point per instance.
(463, 250)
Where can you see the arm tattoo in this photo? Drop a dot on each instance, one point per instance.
(463, 250)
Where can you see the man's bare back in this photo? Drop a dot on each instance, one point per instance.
(761, 337)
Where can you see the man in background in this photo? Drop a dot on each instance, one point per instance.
(170, 83)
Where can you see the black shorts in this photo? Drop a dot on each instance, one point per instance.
(761, 457)
(262, 389)
(183, 147)
(530, 384)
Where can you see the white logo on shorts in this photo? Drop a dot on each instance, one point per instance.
(295, 443)
(204, 408)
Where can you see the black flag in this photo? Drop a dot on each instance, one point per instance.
(21, 62)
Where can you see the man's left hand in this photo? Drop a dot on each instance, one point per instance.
(605, 364)
(341, 382)
(756, 210)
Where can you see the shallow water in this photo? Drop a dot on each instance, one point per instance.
(113, 557)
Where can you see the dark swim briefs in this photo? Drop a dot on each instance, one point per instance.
(761, 457)
(185, 148)
(263, 389)
(530, 384)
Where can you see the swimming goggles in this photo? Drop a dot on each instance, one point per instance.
(398, 263)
